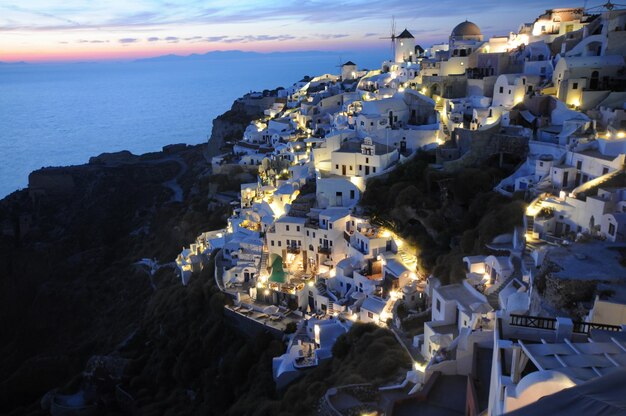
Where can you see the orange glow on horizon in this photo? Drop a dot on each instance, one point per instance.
(116, 51)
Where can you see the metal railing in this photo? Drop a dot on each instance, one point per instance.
(586, 327)
(324, 250)
(579, 327)
(533, 322)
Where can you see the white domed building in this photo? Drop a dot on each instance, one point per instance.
(465, 38)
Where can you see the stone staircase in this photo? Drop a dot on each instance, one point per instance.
(321, 288)
(263, 262)
(445, 129)
(300, 334)
(530, 223)
(493, 292)
(407, 259)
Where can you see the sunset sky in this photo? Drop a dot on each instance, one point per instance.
(44, 30)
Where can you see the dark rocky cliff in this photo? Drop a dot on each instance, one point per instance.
(78, 315)
(69, 284)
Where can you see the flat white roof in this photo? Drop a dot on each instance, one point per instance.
(581, 360)
(286, 219)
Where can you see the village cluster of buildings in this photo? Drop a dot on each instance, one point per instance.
(298, 255)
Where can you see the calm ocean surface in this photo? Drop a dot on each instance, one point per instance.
(62, 114)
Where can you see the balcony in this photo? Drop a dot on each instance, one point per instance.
(324, 250)
(293, 249)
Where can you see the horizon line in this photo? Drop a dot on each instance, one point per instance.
(182, 56)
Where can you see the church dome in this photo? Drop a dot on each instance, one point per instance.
(466, 29)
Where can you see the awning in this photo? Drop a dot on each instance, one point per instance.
(528, 116)
(278, 274)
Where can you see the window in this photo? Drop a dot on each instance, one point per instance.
(367, 160)
(374, 169)
(297, 228)
(541, 164)
(336, 166)
(612, 229)
(575, 86)
(579, 164)
(330, 225)
(360, 167)
(279, 243)
(370, 315)
(438, 305)
(509, 92)
(352, 194)
(605, 170)
(287, 227)
(350, 167)
(272, 242)
(501, 90)
(307, 233)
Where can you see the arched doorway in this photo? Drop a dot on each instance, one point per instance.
(593, 81)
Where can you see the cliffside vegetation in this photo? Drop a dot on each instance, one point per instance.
(69, 285)
(187, 359)
(70, 289)
(444, 216)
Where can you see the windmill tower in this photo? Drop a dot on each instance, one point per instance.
(348, 70)
(402, 45)
(610, 6)
(393, 38)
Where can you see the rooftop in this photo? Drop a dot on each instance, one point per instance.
(590, 261)
(460, 293)
(353, 146)
(580, 360)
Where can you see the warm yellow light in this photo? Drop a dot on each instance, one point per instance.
(621, 134)
(259, 285)
(267, 292)
(419, 367)
(424, 90)
(311, 283)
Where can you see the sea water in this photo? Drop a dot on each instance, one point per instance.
(62, 114)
